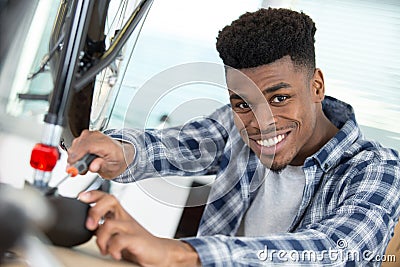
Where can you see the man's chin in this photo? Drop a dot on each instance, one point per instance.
(274, 166)
(278, 168)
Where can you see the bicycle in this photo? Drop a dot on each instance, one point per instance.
(78, 53)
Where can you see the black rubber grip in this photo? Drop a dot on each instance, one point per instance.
(83, 164)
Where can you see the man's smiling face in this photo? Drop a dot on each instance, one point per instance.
(275, 109)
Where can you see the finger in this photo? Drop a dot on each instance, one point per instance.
(96, 165)
(105, 204)
(125, 235)
(88, 142)
(119, 243)
(110, 228)
(91, 196)
(80, 146)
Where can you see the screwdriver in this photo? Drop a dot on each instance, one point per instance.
(80, 167)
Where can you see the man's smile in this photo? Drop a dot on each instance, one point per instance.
(271, 141)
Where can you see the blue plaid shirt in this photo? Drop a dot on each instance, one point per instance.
(350, 202)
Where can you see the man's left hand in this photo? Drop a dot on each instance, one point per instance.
(121, 236)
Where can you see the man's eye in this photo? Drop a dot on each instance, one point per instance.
(243, 105)
(279, 99)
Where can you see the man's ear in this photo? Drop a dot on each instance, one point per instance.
(318, 86)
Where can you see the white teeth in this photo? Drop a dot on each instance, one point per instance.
(271, 141)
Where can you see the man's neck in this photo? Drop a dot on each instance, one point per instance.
(325, 130)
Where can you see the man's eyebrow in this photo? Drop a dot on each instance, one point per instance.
(235, 96)
(275, 87)
(268, 90)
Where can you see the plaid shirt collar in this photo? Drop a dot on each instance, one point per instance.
(342, 116)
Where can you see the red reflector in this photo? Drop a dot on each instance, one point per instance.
(44, 157)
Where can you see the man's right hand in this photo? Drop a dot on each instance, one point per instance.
(113, 156)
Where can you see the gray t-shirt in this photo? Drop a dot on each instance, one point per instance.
(276, 204)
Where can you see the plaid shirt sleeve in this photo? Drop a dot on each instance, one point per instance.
(354, 231)
(193, 149)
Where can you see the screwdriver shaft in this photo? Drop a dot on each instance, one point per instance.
(80, 167)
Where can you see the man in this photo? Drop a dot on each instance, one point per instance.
(295, 180)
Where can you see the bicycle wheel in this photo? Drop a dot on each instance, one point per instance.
(90, 105)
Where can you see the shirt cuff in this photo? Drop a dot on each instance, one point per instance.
(211, 251)
(132, 165)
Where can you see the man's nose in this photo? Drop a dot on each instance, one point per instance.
(263, 117)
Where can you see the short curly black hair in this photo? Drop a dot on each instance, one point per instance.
(264, 36)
